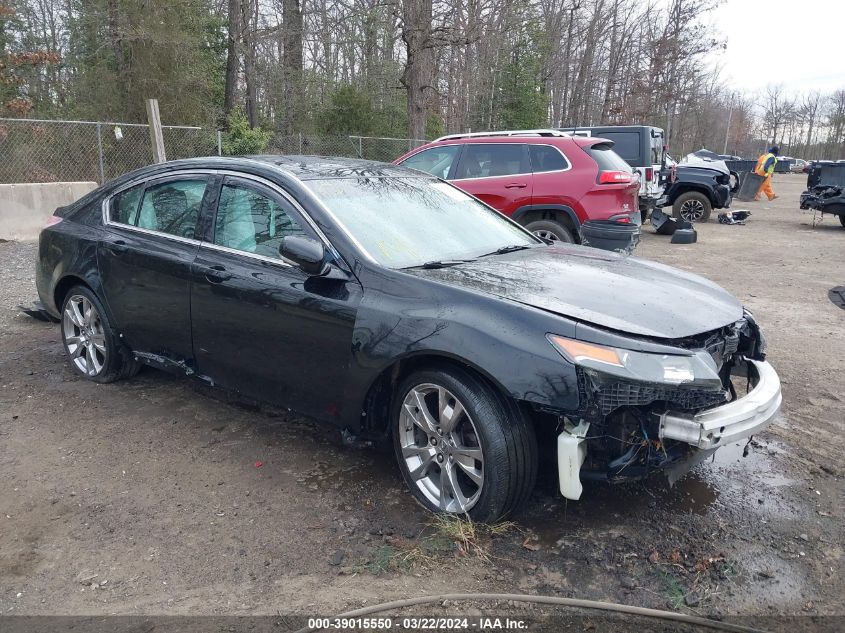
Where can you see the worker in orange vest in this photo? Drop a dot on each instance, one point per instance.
(766, 167)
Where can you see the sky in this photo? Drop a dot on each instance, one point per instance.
(808, 38)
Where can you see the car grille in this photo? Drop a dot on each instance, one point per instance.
(609, 397)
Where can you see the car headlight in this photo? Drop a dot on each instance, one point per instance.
(697, 369)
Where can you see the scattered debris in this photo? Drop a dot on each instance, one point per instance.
(734, 217)
(259, 463)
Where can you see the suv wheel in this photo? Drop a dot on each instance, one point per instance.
(692, 206)
(92, 346)
(551, 230)
(461, 448)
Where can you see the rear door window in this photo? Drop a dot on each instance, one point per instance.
(488, 160)
(172, 207)
(124, 206)
(436, 161)
(547, 158)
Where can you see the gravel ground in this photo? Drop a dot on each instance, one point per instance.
(159, 496)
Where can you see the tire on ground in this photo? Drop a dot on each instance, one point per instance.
(551, 229)
(506, 437)
(119, 361)
(693, 196)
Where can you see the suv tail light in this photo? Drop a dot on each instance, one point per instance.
(614, 177)
(53, 220)
(649, 173)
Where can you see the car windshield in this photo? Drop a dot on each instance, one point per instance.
(406, 222)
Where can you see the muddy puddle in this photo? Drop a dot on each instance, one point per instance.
(726, 483)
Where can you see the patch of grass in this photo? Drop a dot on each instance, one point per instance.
(673, 589)
(447, 534)
(471, 538)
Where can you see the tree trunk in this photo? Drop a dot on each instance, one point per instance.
(292, 66)
(418, 75)
(249, 19)
(232, 57)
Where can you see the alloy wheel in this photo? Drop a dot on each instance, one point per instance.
(547, 235)
(84, 336)
(692, 210)
(441, 448)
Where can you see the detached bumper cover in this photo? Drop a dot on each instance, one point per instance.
(730, 422)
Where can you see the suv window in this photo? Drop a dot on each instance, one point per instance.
(656, 149)
(254, 222)
(547, 158)
(627, 144)
(171, 207)
(486, 160)
(436, 161)
(606, 158)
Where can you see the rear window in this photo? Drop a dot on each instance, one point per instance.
(546, 158)
(606, 158)
(657, 149)
(627, 144)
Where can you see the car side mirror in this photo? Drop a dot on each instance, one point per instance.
(308, 254)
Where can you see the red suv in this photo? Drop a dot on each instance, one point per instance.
(562, 187)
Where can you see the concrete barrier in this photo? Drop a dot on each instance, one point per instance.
(25, 208)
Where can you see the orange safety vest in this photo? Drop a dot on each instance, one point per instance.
(762, 161)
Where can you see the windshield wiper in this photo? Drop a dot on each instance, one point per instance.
(442, 263)
(507, 249)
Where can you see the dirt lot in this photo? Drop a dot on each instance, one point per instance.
(156, 496)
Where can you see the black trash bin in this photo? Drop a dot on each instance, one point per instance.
(610, 236)
(749, 187)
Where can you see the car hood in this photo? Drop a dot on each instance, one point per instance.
(618, 292)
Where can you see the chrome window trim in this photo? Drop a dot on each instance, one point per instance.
(279, 261)
(529, 173)
(219, 172)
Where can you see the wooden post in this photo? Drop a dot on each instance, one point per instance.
(156, 137)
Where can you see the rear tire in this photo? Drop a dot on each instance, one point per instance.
(462, 448)
(551, 230)
(94, 349)
(692, 206)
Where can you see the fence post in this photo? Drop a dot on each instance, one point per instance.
(360, 147)
(100, 152)
(219, 143)
(156, 137)
(300, 142)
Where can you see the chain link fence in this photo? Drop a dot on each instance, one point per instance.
(368, 147)
(37, 150)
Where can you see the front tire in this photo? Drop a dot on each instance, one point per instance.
(842, 219)
(93, 348)
(462, 448)
(692, 206)
(551, 230)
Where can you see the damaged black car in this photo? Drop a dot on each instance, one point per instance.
(825, 189)
(400, 309)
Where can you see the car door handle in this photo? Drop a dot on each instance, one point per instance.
(118, 246)
(516, 185)
(215, 274)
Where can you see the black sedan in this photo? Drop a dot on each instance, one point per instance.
(396, 307)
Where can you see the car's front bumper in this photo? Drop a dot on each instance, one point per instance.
(730, 422)
(704, 431)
